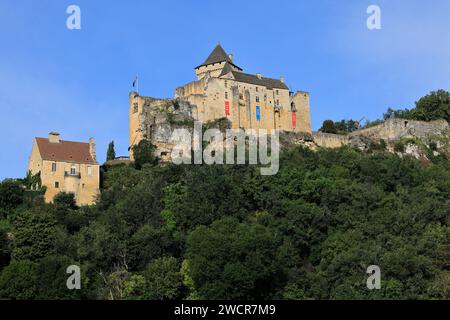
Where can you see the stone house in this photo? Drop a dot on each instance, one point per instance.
(66, 166)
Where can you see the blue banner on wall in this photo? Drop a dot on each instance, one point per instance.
(258, 113)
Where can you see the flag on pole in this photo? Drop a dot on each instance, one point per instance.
(135, 81)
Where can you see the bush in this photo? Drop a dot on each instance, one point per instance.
(18, 281)
(399, 146)
(11, 194)
(433, 146)
(144, 154)
(328, 127)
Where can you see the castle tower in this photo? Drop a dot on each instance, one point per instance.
(135, 110)
(214, 64)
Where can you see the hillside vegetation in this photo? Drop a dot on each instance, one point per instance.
(226, 232)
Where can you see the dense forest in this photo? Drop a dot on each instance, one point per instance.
(226, 232)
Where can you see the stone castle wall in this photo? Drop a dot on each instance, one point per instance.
(391, 131)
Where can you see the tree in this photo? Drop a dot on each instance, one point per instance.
(346, 126)
(163, 279)
(143, 153)
(34, 233)
(18, 281)
(11, 196)
(148, 243)
(328, 127)
(5, 252)
(100, 248)
(51, 281)
(111, 153)
(232, 260)
(433, 106)
(65, 200)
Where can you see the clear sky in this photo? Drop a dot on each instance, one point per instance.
(77, 82)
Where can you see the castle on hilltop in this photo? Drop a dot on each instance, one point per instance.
(223, 90)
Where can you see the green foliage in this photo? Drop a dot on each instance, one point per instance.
(18, 281)
(111, 153)
(163, 279)
(231, 260)
(32, 182)
(399, 146)
(65, 200)
(149, 243)
(434, 106)
(11, 196)
(5, 252)
(328, 127)
(34, 234)
(186, 122)
(433, 146)
(51, 278)
(378, 146)
(339, 127)
(222, 124)
(143, 153)
(226, 232)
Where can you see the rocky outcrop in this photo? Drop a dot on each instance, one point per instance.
(396, 129)
(160, 118)
(419, 139)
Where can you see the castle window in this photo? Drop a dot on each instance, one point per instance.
(293, 109)
(256, 89)
(278, 102)
(56, 184)
(54, 167)
(226, 95)
(257, 99)
(73, 170)
(226, 84)
(89, 171)
(276, 91)
(241, 96)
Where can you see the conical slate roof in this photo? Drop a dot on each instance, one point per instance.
(217, 55)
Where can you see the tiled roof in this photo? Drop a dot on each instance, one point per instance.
(67, 151)
(265, 82)
(226, 69)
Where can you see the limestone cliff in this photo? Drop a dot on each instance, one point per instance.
(419, 139)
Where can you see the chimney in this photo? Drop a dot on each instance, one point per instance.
(92, 149)
(53, 137)
(282, 79)
(231, 57)
(258, 75)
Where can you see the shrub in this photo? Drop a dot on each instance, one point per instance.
(399, 146)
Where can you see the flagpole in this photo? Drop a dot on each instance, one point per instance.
(137, 82)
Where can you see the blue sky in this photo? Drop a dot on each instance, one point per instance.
(77, 82)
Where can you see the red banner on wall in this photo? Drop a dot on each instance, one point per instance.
(294, 119)
(227, 108)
